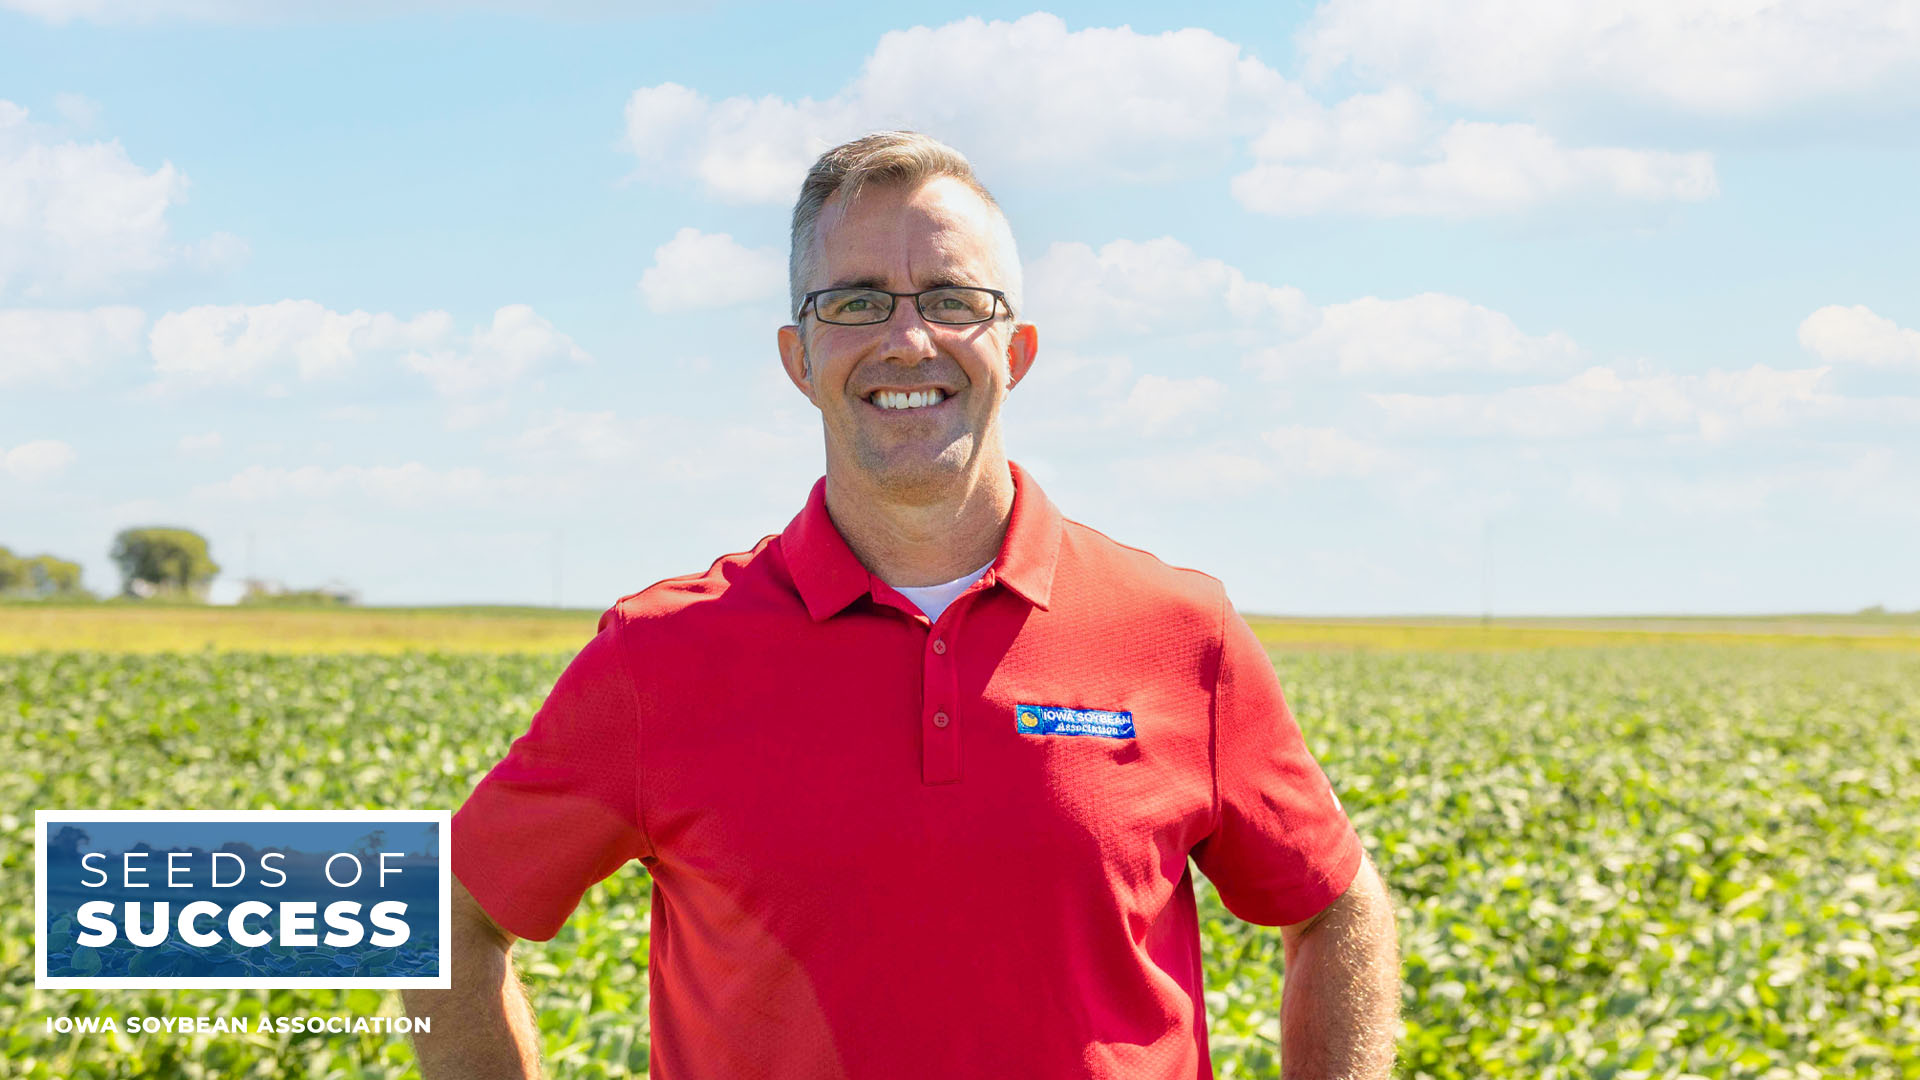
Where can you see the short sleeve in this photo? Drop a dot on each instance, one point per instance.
(560, 811)
(1281, 848)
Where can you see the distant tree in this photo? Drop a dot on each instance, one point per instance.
(13, 572)
(53, 576)
(39, 576)
(274, 594)
(163, 560)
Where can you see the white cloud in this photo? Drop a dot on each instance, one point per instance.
(207, 442)
(1427, 333)
(1855, 335)
(494, 357)
(1136, 103)
(34, 461)
(1065, 374)
(1873, 479)
(76, 109)
(241, 344)
(1161, 289)
(1194, 474)
(1155, 286)
(235, 343)
(1324, 451)
(1158, 405)
(120, 12)
(1597, 490)
(408, 485)
(221, 251)
(775, 459)
(689, 460)
(467, 414)
(1163, 299)
(1120, 105)
(697, 271)
(590, 436)
(81, 218)
(1067, 393)
(1386, 154)
(740, 149)
(1704, 56)
(771, 457)
(1713, 405)
(60, 11)
(60, 347)
(1732, 495)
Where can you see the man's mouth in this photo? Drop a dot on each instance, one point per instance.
(906, 399)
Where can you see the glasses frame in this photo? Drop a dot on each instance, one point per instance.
(999, 301)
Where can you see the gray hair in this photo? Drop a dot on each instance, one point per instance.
(904, 158)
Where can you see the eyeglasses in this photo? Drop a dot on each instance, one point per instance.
(949, 305)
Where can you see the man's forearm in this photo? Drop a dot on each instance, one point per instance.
(483, 1028)
(1340, 1005)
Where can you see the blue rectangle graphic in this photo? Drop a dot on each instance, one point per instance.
(321, 899)
(1061, 720)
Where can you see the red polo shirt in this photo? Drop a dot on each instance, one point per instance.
(870, 858)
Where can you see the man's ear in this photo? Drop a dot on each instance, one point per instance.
(1021, 348)
(793, 357)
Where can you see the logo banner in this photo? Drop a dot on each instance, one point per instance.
(323, 899)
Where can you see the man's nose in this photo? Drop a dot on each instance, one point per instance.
(909, 339)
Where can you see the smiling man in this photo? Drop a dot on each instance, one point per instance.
(920, 780)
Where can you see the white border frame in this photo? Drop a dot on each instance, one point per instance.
(41, 981)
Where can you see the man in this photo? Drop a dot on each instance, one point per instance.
(918, 779)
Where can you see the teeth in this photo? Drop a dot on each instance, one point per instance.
(894, 399)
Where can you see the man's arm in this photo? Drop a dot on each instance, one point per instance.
(483, 1028)
(1340, 1005)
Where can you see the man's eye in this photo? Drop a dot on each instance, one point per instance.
(853, 305)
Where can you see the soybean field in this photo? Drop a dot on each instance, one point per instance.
(1675, 854)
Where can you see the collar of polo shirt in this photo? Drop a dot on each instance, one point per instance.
(829, 576)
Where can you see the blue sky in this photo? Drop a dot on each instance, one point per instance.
(1369, 306)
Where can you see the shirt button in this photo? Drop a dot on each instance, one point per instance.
(939, 646)
(939, 719)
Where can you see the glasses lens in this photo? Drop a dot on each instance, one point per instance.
(958, 305)
(853, 307)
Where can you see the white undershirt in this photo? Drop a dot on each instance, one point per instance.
(933, 599)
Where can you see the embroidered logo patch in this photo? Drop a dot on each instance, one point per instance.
(1061, 720)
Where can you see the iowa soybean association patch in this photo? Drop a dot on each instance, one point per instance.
(1062, 720)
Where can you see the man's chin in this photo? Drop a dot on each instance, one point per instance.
(917, 473)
